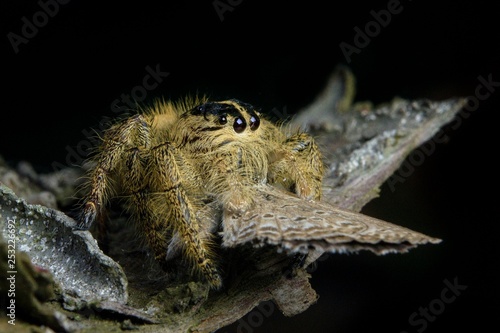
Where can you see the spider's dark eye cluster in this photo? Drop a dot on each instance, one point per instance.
(223, 110)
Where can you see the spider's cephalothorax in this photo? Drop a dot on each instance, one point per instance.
(174, 160)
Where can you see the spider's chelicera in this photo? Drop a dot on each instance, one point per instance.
(184, 166)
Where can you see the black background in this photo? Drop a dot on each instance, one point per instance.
(61, 83)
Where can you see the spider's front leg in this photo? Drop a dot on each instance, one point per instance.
(298, 166)
(119, 138)
(176, 210)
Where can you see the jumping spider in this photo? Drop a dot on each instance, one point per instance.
(176, 161)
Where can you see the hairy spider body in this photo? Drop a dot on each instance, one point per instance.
(178, 163)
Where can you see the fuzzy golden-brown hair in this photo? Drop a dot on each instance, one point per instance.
(179, 163)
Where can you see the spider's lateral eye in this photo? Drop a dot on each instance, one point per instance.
(254, 122)
(200, 110)
(239, 124)
(222, 119)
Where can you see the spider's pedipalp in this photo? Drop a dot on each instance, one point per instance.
(297, 165)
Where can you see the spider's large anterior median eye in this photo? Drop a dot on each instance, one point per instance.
(239, 124)
(254, 122)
